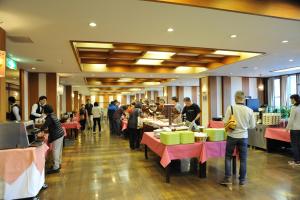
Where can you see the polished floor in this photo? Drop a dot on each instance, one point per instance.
(103, 167)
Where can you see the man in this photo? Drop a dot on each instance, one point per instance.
(89, 108)
(37, 108)
(14, 114)
(192, 111)
(112, 108)
(238, 138)
(176, 111)
(177, 106)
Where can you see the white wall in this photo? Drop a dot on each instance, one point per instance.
(174, 91)
(42, 84)
(187, 92)
(219, 96)
(160, 93)
(236, 85)
(253, 88)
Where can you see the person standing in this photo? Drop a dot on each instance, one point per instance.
(89, 108)
(37, 108)
(117, 119)
(14, 114)
(238, 138)
(96, 116)
(294, 128)
(110, 114)
(192, 111)
(56, 136)
(83, 117)
(134, 132)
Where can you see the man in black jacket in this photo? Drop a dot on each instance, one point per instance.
(89, 108)
(56, 136)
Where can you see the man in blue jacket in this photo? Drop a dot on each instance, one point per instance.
(112, 108)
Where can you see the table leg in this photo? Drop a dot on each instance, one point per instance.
(146, 152)
(168, 174)
(202, 170)
(234, 165)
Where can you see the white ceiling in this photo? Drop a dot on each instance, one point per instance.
(51, 24)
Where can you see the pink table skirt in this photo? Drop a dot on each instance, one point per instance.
(215, 124)
(202, 150)
(71, 125)
(278, 134)
(15, 161)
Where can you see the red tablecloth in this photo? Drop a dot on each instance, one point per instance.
(278, 134)
(202, 150)
(71, 125)
(215, 124)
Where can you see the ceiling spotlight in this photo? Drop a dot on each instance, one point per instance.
(92, 24)
(33, 68)
(233, 36)
(170, 29)
(291, 60)
(284, 41)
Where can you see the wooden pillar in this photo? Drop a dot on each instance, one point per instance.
(155, 95)
(33, 89)
(51, 90)
(22, 93)
(124, 100)
(149, 95)
(3, 99)
(76, 101)
(80, 100)
(169, 94)
(68, 98)
(180, 93)
(106, 101)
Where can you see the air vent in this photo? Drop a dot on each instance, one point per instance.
(20, 39)
(39, 60)
(245, 67)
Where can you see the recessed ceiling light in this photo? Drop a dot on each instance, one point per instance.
(33, 68)
(151, 83)
(284, 41)
(92, 24)
(98, 82)
(170, 29)
(94, 45)
(287, 69)
(158, 55)
(149, 62)
(291, 60)
(125, 80)
(233, 36)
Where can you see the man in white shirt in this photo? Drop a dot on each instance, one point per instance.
(14, 114)
(37, 108)
(238, 138)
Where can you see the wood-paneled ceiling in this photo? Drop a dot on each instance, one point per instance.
(126, 57)
(125, 81)
(113, 90)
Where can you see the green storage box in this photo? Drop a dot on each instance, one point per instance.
(186, 137)
(170, 138)
(215, 134)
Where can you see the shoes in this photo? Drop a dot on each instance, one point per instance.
(297, 163)
(242, 183)
(53, 171)
(226, 181)
(44, 187)
(291, 162)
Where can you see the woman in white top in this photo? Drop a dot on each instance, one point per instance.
(96, 111)
(294, 127)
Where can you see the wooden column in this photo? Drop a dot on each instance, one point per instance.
(22, 93)
(3, 98)
(33, 89)
(124, 100)
(149, 95)
(51, 90)
(68, 98)
(180, 93)
(169, 94)
(76, 101)
(106, 101)
(155, 95)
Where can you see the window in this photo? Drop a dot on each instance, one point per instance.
(277, 93)
(291, 88)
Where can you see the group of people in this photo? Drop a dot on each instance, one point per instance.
(90, 116)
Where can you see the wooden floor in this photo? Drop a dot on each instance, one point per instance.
(104, 168)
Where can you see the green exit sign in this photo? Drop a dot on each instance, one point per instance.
(11, 64)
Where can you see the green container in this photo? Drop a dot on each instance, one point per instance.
(170, 138)
(215, 134)
(186, 137)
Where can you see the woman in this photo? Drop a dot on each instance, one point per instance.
(294, 127)
(96, 111)
(83, 116)
(134, 132)
(56, 136)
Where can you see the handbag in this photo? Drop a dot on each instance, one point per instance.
(232, 123)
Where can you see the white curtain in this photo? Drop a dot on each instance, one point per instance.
(271, 97)
(285, 86)
(298, 83)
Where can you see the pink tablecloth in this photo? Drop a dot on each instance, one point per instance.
(202, 151)
(215, 124)
(71, 125)
(15, 161)
(278, 134)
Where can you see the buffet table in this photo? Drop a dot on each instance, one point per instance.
(73, 125)
(22, 172)
(277, 137)
(200, 150)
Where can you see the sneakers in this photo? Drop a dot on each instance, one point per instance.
(291, 162)
(53, 171)
(226, 181)
(242, 183)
